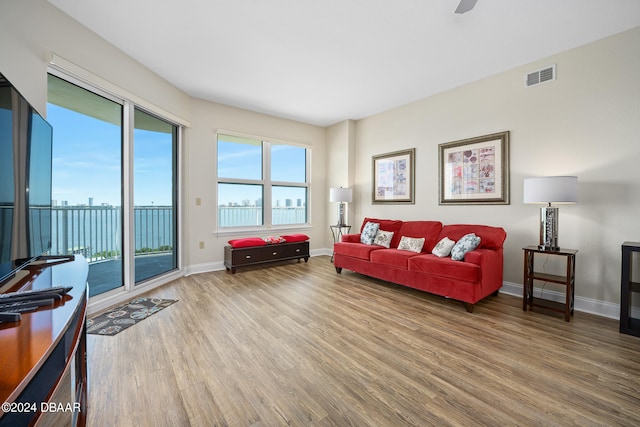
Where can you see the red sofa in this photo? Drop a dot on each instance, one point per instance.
(476, 277)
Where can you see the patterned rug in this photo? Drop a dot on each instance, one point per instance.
(120, 318)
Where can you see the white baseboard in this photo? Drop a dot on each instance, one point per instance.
(586, 305)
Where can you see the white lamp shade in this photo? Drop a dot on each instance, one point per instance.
(340, 195)
(551, 189)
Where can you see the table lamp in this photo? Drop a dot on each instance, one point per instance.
(340, 195)
(548, 190)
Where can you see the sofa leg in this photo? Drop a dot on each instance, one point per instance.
(495, 294)
(338, 270)
(469, 307)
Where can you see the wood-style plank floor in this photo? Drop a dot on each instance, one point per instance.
(298, 344)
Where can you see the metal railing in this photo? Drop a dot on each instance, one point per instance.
(96, 231)
(238, 216)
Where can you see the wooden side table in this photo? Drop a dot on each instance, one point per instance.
(628, 323)
(568, 280)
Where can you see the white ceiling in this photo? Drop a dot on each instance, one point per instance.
(324, 61)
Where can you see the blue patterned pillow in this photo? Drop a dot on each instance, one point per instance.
(369, 232)
(466, 244)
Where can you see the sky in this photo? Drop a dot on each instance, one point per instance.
(244, 161)
(87, 162)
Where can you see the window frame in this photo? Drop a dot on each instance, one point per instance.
(267, 186)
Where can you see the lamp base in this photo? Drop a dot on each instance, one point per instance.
(341, 222)
(549, 228)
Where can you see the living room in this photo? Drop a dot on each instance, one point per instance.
(584, 123)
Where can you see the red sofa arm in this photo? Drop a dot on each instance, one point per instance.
(491, 262)
(478, 256)
(351, 238)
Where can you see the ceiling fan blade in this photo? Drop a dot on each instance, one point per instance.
(465, 6)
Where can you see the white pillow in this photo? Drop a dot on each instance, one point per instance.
(369, 233)
(383, 238)
(443, 248)
(412, 244)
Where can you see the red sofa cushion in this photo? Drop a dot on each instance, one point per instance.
(356, 250)
(430, 230)
(392, 257)
(490, 237)
(392, 225)
(247, 242)
(290, 238)
(446, 267)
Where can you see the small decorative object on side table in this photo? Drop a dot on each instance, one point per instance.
(568, 280)
(337, 231)
(628, 323)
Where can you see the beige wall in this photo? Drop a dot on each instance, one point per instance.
(200, 174)
(586, 123)
(340, 143)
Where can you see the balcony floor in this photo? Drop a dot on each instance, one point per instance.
(107, 275)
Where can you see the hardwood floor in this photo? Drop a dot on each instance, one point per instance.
(296, 343)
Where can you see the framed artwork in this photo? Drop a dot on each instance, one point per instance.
(475, 170)
(393, 177)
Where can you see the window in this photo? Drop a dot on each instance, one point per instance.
(261, 183)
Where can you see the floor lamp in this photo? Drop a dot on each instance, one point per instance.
(342, 196)
(548, 190)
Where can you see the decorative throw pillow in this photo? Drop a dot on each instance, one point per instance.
(273, 239)
(413, 244)
(369, 232)
(247, 242)
(383, 238)
(466, 244)
(443, 248)
(291, 238)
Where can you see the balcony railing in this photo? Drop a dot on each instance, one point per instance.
(96, 231)
(238, 216)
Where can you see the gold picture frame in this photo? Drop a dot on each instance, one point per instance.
(393, 177)
(475, 170)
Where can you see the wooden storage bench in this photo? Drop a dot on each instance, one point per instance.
(240, 257)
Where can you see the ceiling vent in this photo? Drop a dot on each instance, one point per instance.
(543, 75)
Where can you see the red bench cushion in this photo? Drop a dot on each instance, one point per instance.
(290, 238)
(247, 242)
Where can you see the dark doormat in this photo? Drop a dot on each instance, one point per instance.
(120, 318)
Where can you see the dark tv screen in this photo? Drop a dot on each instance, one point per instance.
(25, 181)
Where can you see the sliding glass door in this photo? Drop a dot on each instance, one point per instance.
(87, 180)
(154, 165)
(98, 141)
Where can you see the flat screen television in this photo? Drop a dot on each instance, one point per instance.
(25, 181)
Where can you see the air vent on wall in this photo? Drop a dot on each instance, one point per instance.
(543, 75)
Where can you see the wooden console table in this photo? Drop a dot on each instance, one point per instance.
(43, 379)
(242, 257)
(568, 280)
